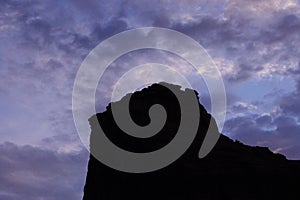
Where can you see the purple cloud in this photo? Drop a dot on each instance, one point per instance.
(28, 172)
(44, 42)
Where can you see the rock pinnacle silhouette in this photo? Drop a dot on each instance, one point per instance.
(231, 170)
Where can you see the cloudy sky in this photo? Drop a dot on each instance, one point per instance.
(255, 45)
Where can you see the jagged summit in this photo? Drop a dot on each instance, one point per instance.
(231, 170)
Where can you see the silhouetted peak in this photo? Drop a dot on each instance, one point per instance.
(231, 170)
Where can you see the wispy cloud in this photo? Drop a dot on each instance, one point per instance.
(44, 42)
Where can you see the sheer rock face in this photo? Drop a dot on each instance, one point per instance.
(231, 170)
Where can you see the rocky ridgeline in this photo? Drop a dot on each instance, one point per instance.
(231, 170)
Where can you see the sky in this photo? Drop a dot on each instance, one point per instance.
(254, 44)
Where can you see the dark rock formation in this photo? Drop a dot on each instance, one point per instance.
(231, 170)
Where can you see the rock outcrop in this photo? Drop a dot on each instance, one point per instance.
(231, 170)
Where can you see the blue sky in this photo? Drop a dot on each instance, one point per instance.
(255, 45)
